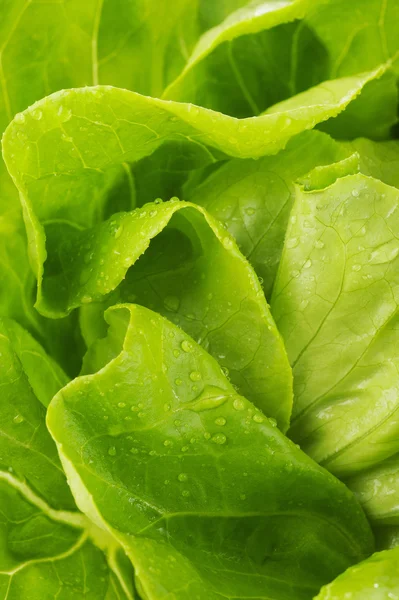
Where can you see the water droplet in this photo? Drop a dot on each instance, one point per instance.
(134, 408)
(141, 415)
(152, 453)
(121, 404)
(185, 493)
(37, 114)
(178, 381)
(250, 211)
(238, 404)
(86, 299)
(19, 118)
(272, 422)
(356, 267)
(292, 242)
(207, 435)
(171, 303)
(227, 242)
(319, 244)
(166, 407)
(185, 448)
(220, 421)
(219, 438)
(187, 346)
(134, 450)
(355, 193)
(293, 219)
(118, 231)
(307, 264)
(18, 419)
(195, 376)
(225, 371)
(258, 418)
(243, 497)
(177, 423)
(176, 352)
(168, 443)
(112, 451)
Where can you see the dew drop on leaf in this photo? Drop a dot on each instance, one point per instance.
(219, 438)
(195, 376)
(258, 418)
(238, 404)
(187, 346)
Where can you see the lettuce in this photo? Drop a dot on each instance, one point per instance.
(198, 300)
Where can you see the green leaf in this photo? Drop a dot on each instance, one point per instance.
(205, 494)
(71, 145)
(78, 147)
(380, 160)
(184, 265)
(335, 303)
(378, 489)
(268, 51)
(29, 379)
(43, 538)
(243, 65)
(254, 199)
(375, 579)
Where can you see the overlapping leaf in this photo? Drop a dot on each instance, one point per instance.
(238, 511)
(43, 536)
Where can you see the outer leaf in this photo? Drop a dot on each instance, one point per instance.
(335, 303)
(42, 536)
(273, 526)
(29, 379)
(254, 199)
(375, 579)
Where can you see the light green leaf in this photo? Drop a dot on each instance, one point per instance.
(378, 491)
(243, 65)
(238, 511)
(77, 143)
(335, 303)
(271, 50)
(254, 198)
(375, 579)
(176, 259)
